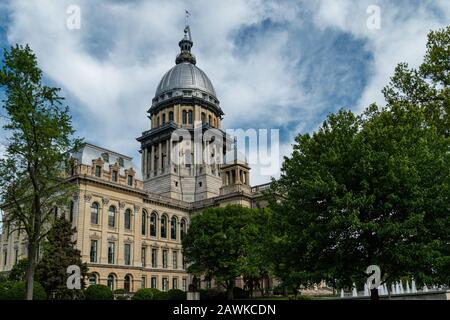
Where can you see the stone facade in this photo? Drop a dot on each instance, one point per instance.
(130, 222)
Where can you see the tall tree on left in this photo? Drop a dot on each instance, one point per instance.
(38, 138)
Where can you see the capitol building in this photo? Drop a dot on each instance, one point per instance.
(130, 221)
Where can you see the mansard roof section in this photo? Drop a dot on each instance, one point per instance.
(90, 152)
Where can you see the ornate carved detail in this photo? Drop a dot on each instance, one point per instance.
(87, 198)
(137, 208)
(94, 236)
(121, 204)
(128, 240)
(105, 200)
(75, 196)
(112, 237)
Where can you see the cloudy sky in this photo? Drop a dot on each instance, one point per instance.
(274, 64)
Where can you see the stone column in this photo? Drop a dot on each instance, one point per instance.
(152, 160)
(167, 166)
(159, 157)
(102, 256)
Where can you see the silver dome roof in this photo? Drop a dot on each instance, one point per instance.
(185, 75)
(185, 81)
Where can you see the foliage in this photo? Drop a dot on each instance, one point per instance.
(18, 271)
(59, 252)
(239, 293)
(38, 139)
(119, 291)
(161, 295)
(99, 292)
(5, 286)
(16, 291)
(212, 294)
(217, 243)
(146, 294)
(176, 294)
(371, 189)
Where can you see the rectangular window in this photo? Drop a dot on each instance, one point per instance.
(144, 256)
(71, 208)
(174, 283)
(184, 284)
(111, 252)
(93, 250)
(127, 254)
(143, 282)
(165, 259)
(5, 257)
(175, 259)
(16, 256)
(184, 262)
(154, 258)
(154, 283)
(130, 180)
(114, 176)
(98, 171)
(165, 284)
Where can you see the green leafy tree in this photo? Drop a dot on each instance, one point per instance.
(59, 252)
(216, 244)
(19, 270)
(39, 136)
(428, 86)
(371, 189)
(256, 266)
(99, 292)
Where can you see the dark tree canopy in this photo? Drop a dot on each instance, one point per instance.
(39, 135)
(371, 189)
(217, 244)
(59, 252)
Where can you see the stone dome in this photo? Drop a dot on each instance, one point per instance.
(185, 82)
(185, 75)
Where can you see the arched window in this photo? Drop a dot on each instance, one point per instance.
(112, 216)
(144, 222)
(209, 120)
(93, 279)
(173, 228)
(170, 116)
(111, 282)
(190, 118)
(183, 229)
(203, 118)
(127, 283)
(164, 118)
(153, 227)
(184, 117)
(128, 219)
(94, 213)
(164, 226)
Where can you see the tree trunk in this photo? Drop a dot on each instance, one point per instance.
(230, 287)
(374, 294)
(29, 276)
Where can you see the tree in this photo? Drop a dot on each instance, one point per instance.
(216, 244)
(256, 267)
(428, 86)
(371, 189)
(39, 137)
(19, 270)
(59, 252)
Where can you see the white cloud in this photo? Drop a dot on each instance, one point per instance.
(112, 65)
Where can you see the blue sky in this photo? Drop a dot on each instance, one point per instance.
(274, 64)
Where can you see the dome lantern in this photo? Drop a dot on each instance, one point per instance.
(185, 45)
